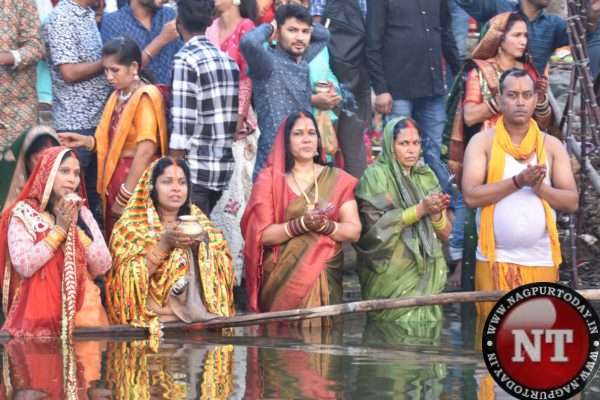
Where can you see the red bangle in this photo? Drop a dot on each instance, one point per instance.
(515, 182)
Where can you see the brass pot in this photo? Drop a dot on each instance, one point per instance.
(190, 225)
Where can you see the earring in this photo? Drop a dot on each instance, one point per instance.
(237, 2)
(136, 77)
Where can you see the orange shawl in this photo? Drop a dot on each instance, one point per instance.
(108, 153)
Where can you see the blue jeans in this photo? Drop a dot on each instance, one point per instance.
(430, 116)
(460, 27)
(594, 52)
(457, 236)
(89, 167)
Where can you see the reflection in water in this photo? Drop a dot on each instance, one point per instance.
(294, 373)
(410, 379)
(170, 372)
(44, 369)
(349, 360)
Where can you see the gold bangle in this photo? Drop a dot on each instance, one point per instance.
(51, 242)
(55, 237)
(60, 231)
(335, 229)
(126, 193)
(287, 230)
(302, 224)
(439, 224)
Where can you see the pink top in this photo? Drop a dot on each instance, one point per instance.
(28, 257)
(231, 46)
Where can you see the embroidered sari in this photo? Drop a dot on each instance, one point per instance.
(131, 291)
(60, 294)
(305, 271)
(120, 130)
(396, 259)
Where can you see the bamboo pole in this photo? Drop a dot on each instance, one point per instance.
(178, 328)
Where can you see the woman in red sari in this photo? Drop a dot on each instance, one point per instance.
(52, 248)
(132, 131)
(299, 213)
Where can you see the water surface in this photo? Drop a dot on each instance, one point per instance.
(355, 359)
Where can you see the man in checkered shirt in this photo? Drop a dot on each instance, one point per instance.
(204, 106)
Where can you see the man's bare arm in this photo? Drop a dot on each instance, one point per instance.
(476, 192)
(562, 195)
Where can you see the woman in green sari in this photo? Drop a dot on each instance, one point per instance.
(403, 216)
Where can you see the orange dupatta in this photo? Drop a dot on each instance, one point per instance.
(109, 153)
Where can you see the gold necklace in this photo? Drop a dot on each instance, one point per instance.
(309, 205)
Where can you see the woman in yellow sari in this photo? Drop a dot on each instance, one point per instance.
(159, 272)
(132, 132)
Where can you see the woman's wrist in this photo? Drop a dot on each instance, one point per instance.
(91, 143)
(163, 244)
(55, 237)
(411, 215)
(420, 210)
(439, 223)
(437, 217)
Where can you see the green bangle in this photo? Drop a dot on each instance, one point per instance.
(441, 224)
(409, 216)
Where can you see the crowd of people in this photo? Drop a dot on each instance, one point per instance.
(246, 120)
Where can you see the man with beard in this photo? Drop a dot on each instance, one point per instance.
(279, 73)
(152, 26)
(546, 32)
(517, 176)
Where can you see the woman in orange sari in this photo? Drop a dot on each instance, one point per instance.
(299, 213)
(52, 248)
(132, 131)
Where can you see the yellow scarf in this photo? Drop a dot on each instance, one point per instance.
(502, 144)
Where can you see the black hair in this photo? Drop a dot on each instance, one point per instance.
(249, 9)
(402, 124)
(159, 169)
(289, 124)
(297, 11)
(512, 19)
(514, 72)
(40, 143)
(80, 222)
(126, 51)
(195, 15)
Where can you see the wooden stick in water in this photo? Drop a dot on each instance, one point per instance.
(175, 328)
